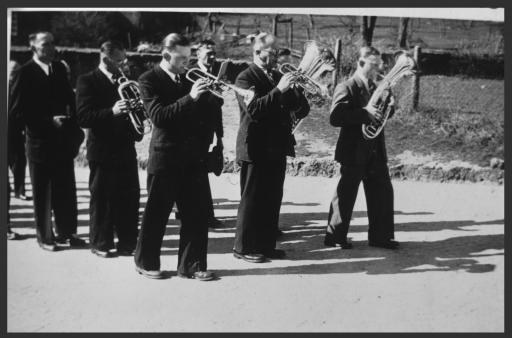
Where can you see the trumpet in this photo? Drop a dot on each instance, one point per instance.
(129, 90)
(304, 81)
(216, 86)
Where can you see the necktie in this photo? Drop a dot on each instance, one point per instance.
(50, 70)
(371, 86)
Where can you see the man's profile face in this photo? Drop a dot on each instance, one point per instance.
(268, 54)
(43, 47)
(116, 60)
(372, 65)
(178, 59)
(206, 55)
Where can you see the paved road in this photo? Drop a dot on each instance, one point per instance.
(447, 276)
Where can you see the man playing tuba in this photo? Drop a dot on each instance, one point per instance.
(360, 159)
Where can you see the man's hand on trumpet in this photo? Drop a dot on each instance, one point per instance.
(286, 82)
(198, 88)
(121, 107)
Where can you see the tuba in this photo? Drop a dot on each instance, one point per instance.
(316, 61)
(129, 90)
(216, 86)
(382, 96)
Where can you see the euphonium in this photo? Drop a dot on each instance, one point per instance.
(129, 90)
(382, 96)
(216, 86)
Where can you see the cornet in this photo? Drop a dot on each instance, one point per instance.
(216, 86)
(129, 90)
(304, 81)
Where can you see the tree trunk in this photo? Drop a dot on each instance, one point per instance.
(274, 24)
(402, 32)
(367, 29)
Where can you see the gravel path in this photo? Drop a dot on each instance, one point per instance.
(448, 275)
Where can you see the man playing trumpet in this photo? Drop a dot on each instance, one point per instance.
(264, 141)
(113, 178)
(361, 159)
(177, 170)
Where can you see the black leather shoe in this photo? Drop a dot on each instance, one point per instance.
(11, 235)
(102, 253)
(215, 223)
(199, 275)
(251, 258)
(330, 241)
(389, 244)
(125, 252)
(275, 254)
(48, 246)
(153, 274)
(23, 197)
(70, 241)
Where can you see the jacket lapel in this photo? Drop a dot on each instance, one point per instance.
(362, 88)
(261, 76)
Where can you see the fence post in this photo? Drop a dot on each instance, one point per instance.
(291, 34)
(416, 79)
(337, 70)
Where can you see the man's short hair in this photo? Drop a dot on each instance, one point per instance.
(33, 36)
(262, 40)
(174, 39)
(367, 51)
(108, 47)
(205, 43)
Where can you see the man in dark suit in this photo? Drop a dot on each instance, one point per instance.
(113, 179)
(264, 141)
(16, 149)
(206, 61)
(43, 101)
(177, 166)
(360, 159)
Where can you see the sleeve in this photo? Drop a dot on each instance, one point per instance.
(298, 104)
(16, 100)
(343, 111)
(217, 103)
(88, 112)
(160, 113)
(261, 105)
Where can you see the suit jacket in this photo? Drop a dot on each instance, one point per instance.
(110, 139)
(265, 123)
(180, 124)
(35, 99)
(213, 106)
(347, 112)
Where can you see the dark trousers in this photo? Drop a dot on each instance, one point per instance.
(8, 205)
(18, 165)
(114, 205)
(379, 200)
(187, 186)
(54, 188)
(258, 212)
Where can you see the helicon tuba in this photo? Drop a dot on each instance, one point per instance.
(381, 97)
(316, 61)
(129, 90)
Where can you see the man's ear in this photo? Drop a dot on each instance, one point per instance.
(167, 56)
